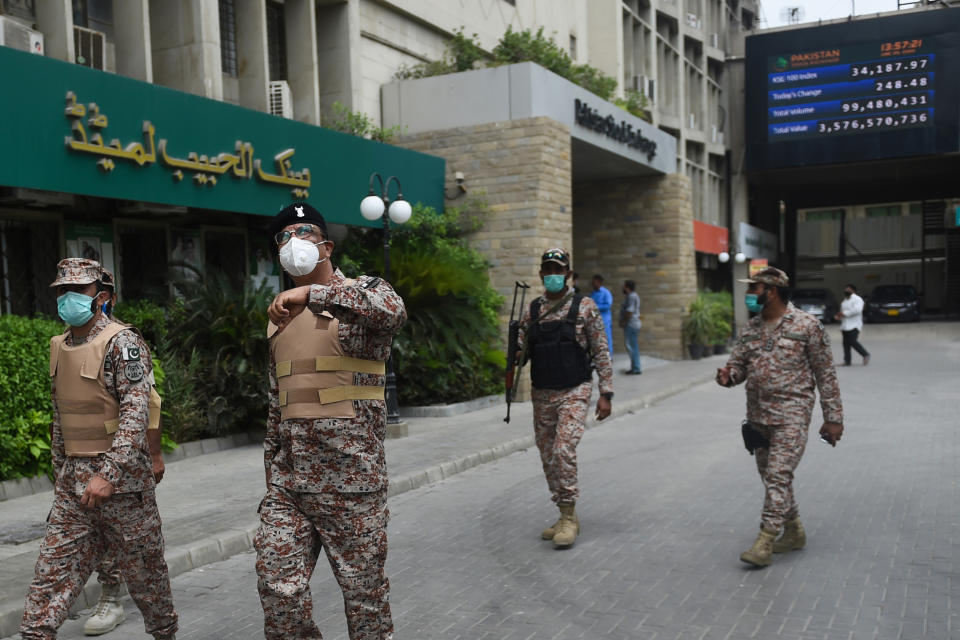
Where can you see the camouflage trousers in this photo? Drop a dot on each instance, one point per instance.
(352, 529)
(559, 416)
(776, 465)
(127, 524)
(108, 573)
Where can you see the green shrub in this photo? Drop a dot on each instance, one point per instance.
(448, 351)
(359, 124)
(216, 354)
(527, 46)
(635, 103)
(461, 54)
(148, 317)
(25, 407)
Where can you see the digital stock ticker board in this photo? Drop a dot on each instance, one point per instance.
(855, 91)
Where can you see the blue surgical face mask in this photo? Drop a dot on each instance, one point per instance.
(554, 283)
(753, 305)
(75, 308)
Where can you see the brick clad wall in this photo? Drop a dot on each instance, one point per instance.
(522, 168)
(640, 229)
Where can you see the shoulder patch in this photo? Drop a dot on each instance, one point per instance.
(133, 371)
(131, 354)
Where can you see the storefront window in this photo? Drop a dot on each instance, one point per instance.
(225, 252)
(143, 263)
(28, 256)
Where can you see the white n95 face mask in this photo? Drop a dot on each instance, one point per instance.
(299, 257)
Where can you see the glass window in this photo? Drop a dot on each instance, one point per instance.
(143, 263)
(885, 211)
(28, 257)
(228, 37)
(94, 14)
(826, 214)
(276, 41)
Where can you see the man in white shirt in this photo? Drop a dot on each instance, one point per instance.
(851, 321)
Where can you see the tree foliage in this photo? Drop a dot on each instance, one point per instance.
(449, 349)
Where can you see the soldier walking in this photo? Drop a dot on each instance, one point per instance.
(564, 337)
(325, 467)
(784, 355)
(101, 377)
(108, 613)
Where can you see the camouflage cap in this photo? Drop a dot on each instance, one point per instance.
(106, 278)
(771, 276)
(77, 271)
(558, 255)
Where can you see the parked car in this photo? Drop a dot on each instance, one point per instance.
(893, 302)
(820, 303)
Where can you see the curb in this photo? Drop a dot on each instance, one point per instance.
(236, 540)
(449, 410)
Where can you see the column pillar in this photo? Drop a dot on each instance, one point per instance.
(131, 35)
(185, 46)
(252, 61)
(55, 20)
(302, 70)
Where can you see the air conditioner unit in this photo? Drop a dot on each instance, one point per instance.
(693, 20)
(720, 137)
(280, 99)
(713, 133)
(693, 121)
(90, 47)
(17, 35)
(715, 40)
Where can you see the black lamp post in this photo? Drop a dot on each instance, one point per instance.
(375, 207)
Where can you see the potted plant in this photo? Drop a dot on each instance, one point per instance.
(720, 306)
(696, 327)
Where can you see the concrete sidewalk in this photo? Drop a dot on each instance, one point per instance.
(208, 503)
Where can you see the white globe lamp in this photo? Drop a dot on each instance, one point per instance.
(400, 211)
(739, 258)
(371, 208)
(723, 257)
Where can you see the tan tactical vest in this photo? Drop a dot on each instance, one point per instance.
(89, 414)
(315, 378)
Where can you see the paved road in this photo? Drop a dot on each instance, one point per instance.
(670, 498)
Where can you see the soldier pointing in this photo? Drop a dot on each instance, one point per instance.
(323, 453)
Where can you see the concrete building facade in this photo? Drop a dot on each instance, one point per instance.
(626, 217)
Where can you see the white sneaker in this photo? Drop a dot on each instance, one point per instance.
(107, 615)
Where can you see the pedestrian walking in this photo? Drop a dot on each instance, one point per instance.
(101, 375)
(631, 323)
(851, 322)
(326, 472)
(108, 613)
(784, 356)
(563, 336)
(602, 297)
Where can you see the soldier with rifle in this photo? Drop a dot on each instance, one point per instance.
(562, 335)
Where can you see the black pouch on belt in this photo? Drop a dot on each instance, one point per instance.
(752, 439)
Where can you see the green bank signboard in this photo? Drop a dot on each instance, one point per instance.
(77, 130)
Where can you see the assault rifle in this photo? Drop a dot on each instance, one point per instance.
(514, 358)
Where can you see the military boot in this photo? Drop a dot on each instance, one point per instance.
(793, 538)
(567, 527)
(759, 554)
(549, 532)
(108, 613)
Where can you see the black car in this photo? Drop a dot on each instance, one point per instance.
(893, 302)
(820, 303)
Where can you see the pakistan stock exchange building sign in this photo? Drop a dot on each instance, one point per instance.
(88, 132)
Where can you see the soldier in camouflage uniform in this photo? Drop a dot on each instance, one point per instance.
(101, 375)
(108, 612)
(324, 457)
(784, 355)
(563, 335)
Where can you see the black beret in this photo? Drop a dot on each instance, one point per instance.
(297, 212)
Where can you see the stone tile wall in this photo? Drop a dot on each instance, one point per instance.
(640, 229)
